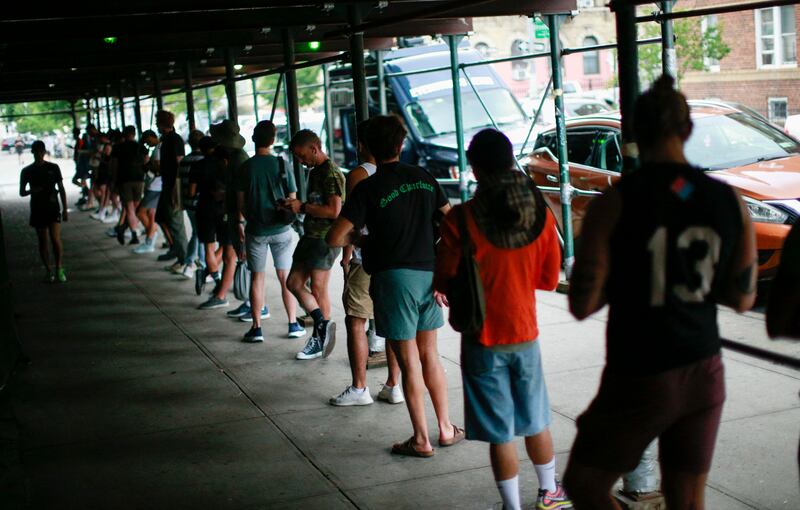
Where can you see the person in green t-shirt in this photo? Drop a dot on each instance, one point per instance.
(313, 258)
(263, 182)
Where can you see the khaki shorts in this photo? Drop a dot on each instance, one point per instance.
(132, 191)
(355, 298)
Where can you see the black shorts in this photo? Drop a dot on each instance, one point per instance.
(213, 229)
(43, 217)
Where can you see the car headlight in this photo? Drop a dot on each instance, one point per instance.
(763, 212)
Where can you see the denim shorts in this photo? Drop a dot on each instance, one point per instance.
(403, 303)
(281, 245)
(504, 393)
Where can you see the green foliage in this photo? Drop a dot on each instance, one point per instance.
(37, 124)
(692, 47)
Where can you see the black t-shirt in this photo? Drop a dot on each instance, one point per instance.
(209, 176)
(399, 205)
(130, 161)
(674, 239)
(171, 148)
(44, 179)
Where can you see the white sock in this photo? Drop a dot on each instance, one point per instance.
(547, 475)
(358, 390)
(509, 491)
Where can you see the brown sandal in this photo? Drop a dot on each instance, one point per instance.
(458, 435)
(407, 448)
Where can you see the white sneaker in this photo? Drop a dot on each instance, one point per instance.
(352, 397)
(392, 394)
(112, 217)
(98, 215)
(188, 271)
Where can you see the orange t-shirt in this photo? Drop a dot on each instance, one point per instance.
(510, 277)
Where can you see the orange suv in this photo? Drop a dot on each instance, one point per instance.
(731, 143)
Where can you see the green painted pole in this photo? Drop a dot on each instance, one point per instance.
(255, 98)
(208, 105)
(561, 139)
(326, 94)
(357, 66)
(189, 95)
(380, 72)
(668, 58)
(628, 71)
(137, 105)
(453, 41)
(108, 105)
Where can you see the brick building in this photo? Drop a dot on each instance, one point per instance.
(505, 36)
(761, 69)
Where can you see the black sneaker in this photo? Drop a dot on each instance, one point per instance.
(134, 238)
(120, 234)
(253, 336)
(327, 337)
(199, 281)
(169, 255)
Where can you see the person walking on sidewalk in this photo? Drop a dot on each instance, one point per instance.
(146, 212)
(230, 152)
(313, 258)
(195, 251)
(127, 159)
(263, 181)
(516, 248)
(399, 205)
(168, 214)
(662, 247)
(42, 181)
(358, 307)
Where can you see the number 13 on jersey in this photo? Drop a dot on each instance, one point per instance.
(701, 261)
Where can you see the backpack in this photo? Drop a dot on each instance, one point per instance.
(281, 216)
(465, 289)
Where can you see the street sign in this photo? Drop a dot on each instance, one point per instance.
(540, 30)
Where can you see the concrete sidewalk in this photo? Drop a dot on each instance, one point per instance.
(135, 399)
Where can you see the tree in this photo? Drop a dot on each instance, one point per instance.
(37, 124)
(693, 47)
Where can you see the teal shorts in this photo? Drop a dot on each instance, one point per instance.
(404, 303)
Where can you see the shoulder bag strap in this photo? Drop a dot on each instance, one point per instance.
(466, 244)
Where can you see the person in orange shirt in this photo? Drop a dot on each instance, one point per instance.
(517, 251)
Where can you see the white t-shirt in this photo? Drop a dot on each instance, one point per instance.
(370, 168)
(155, 182)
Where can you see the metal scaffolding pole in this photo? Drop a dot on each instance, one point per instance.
(628, 65)
(326, 94)
(88, 105)
(565, 185)
(275, 97)
(357, 67)
(453, 42)
(73, 115)
(668, 58)
(230, 87)
(121, 94)
(157, 91)
(208, 105)
(292, 106)
(255, 97)
(380, 72)
(137, 105)
(108, 105)
(97, 113)
(187, 83)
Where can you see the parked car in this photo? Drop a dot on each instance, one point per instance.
(756, 158)
(425, 102)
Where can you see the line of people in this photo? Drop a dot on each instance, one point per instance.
(662, 249)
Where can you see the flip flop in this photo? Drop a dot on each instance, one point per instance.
(458, 435)
(407, 448)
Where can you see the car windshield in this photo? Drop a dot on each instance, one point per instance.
(435, 116)
(725, 141)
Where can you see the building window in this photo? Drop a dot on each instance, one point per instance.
(520, 69)
(591, 59)
(778, 110)
(776, 37)
(709, 23)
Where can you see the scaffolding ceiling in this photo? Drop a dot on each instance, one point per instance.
(72, 51)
